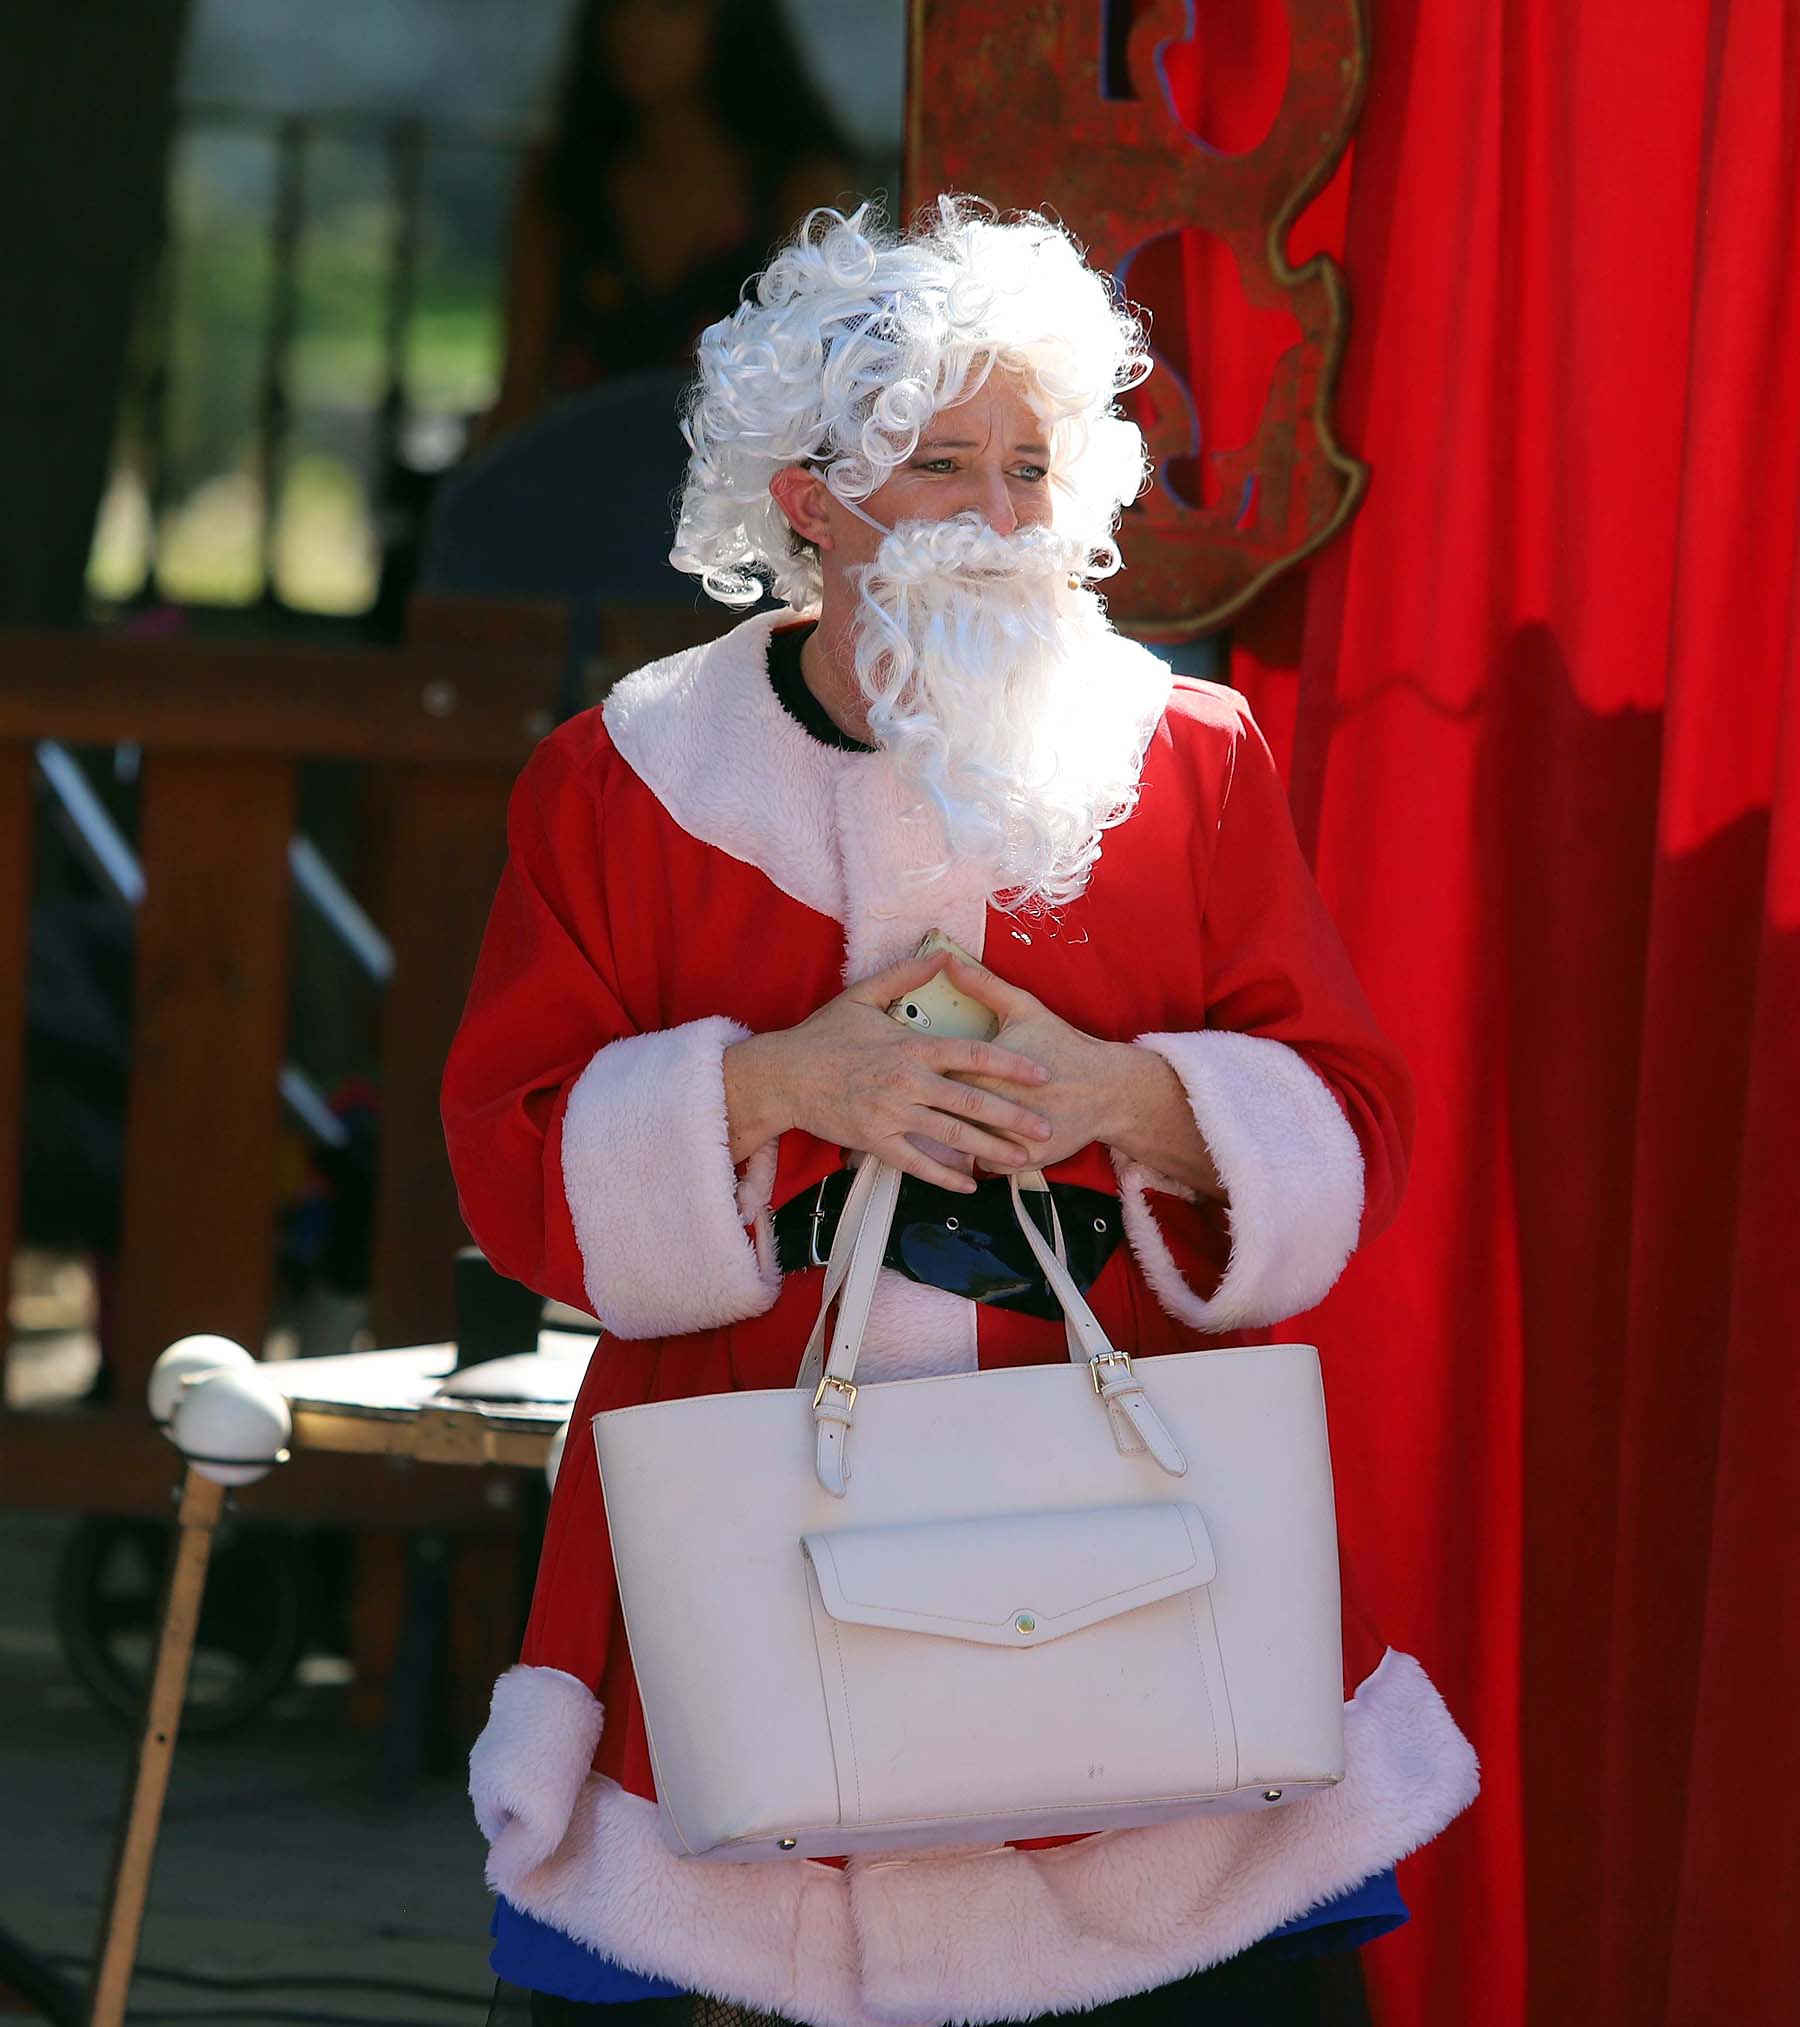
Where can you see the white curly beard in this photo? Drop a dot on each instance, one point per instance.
(976, 655)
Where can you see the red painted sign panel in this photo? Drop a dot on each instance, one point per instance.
(1119, 117)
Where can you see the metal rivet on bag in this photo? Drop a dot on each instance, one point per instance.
(1024, 1622)
(788, 1843)
(1099, 1224)
(953, 1224)
(1271, 1794)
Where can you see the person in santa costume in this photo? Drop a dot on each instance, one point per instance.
(678, 1034)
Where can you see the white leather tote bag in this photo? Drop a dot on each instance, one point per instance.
(994, 1605)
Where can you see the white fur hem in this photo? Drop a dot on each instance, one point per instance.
(1292, 1171)
(999, 1934)
(531, 1763)
(658, 1208)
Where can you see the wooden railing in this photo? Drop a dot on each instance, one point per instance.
(444, 725)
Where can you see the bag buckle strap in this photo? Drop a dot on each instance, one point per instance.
(1107, 1358)
(834, 1403)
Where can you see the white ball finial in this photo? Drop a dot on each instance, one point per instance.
(232, 1426)
(554, 1455)
(186, 1359)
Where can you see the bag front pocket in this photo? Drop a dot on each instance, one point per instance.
(1038, 1661)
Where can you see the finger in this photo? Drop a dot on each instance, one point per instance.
(965, 1137)
(991, 1109)
(901, 1153)
(1010, 1002)
(881, 988)
(961, 1058)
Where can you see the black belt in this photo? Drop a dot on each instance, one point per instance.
(970, 1245)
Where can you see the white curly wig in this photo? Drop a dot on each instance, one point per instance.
(855, 337)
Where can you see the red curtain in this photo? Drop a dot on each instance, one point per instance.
(1541, 708)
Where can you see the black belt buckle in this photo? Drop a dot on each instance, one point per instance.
(816, 1254)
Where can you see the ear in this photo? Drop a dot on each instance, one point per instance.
(802, 495)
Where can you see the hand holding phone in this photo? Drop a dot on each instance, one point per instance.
(937, 1008)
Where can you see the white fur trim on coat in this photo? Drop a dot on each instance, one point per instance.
(1292, 1172)
(998, 1934)
(706, 733)
(658, 1207)
(836, 829)
(531, 1763)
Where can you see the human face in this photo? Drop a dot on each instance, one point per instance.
(989, 452)
(987, 455)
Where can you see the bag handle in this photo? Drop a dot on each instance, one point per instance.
(858, 1249)
(1135, 1423)
(859, 1207)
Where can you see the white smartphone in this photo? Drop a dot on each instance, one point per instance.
(937, 1008)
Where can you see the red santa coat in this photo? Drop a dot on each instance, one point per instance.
(689, 866)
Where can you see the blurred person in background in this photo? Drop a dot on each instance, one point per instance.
(688, 135)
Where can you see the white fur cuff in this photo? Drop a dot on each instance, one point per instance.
(657, 1205)
(1291, 1168)
(530, 1763)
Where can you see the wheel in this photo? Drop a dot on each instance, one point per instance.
(252, 1617)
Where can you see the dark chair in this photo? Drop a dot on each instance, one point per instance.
(578, 505)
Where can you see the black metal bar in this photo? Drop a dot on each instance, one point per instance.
(153, 405)
(406, 177)
(274, 408)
